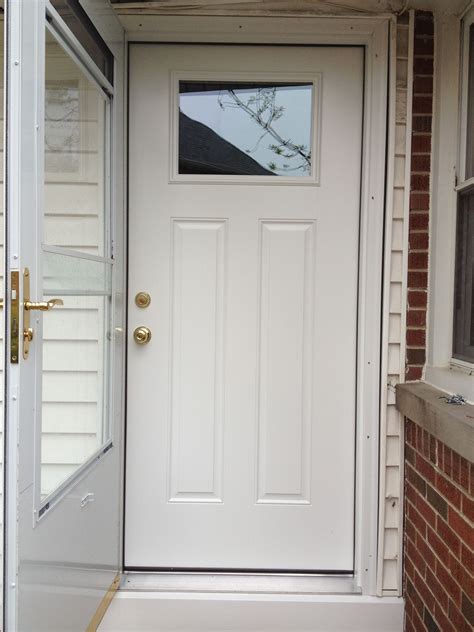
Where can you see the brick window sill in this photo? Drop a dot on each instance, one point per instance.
(452, 425)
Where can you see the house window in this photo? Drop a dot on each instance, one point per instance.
(463, 347)
(463, 321)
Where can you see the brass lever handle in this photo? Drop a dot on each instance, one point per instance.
(42, 306)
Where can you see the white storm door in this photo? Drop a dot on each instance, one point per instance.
(64, 361)
(245, 168)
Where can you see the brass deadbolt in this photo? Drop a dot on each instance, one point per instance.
(142, 335)
(142, 299)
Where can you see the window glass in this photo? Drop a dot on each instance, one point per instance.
(81, 25)
(464, 284)
(75, 138)
(470, 110)
(250, 129)
(76, 269)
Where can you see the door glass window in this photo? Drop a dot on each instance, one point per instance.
(77, 268)
(249, 129)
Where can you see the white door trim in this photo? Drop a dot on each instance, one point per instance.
(373, 34)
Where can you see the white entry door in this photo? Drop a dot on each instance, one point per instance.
(245, 167)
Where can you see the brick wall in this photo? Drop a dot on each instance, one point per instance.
(420, 194)
(439, 536)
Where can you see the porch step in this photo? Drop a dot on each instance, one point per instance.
(149, 611)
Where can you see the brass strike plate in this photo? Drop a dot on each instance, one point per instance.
(27, 330)
(15, 318)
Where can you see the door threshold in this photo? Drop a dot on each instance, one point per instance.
(248, 583)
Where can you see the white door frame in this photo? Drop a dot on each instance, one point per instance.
(373, 34)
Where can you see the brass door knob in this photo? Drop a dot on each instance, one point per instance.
(142, 335)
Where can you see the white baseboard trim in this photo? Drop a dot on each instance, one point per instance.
(135, 611)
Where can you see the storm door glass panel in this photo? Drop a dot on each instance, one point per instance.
(470, 110)
(75, 139)
(77, 269)
(245, 129)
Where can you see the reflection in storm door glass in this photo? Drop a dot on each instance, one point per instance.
(252, 129)
(76, 269)
(74, 155)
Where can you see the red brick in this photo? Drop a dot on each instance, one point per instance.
(423, 85)
(424, 27)
(461, 527)
(429, 515)
(426, 469)
(410, 456)
(464, 474)
(422, 123)
(438, 547)
(417, 280)
(442, 620)
(420, 202)
(457, 618)
(418, 261)
(416, 518)
(449, 537)
(419, 241)
(423, 45)
(460, 574)
(450, 584)
(424, 592)
(413, 373)
(416, 337)
(418, 625)
(410, 531)
(416, 557)
(421, 143)
(420, 182)
(456, 467)
(448, 460)
(409, 569)
(467, 558)
(437, 589)
(416, 318)
(448, 490)
(468, 508)
(416, 480)
(423, 66)
(426, 552)
(421, 163)
(414, 597)
(416, 357)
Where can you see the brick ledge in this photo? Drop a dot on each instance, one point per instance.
(452, 425)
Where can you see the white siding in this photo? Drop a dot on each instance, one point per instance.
(393, 362)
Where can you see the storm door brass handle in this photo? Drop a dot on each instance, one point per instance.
(30, 306)
(42, 306)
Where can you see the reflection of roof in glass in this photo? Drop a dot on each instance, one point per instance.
(201, 150)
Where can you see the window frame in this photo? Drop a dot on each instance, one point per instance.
(463, 183)
(443, 370)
